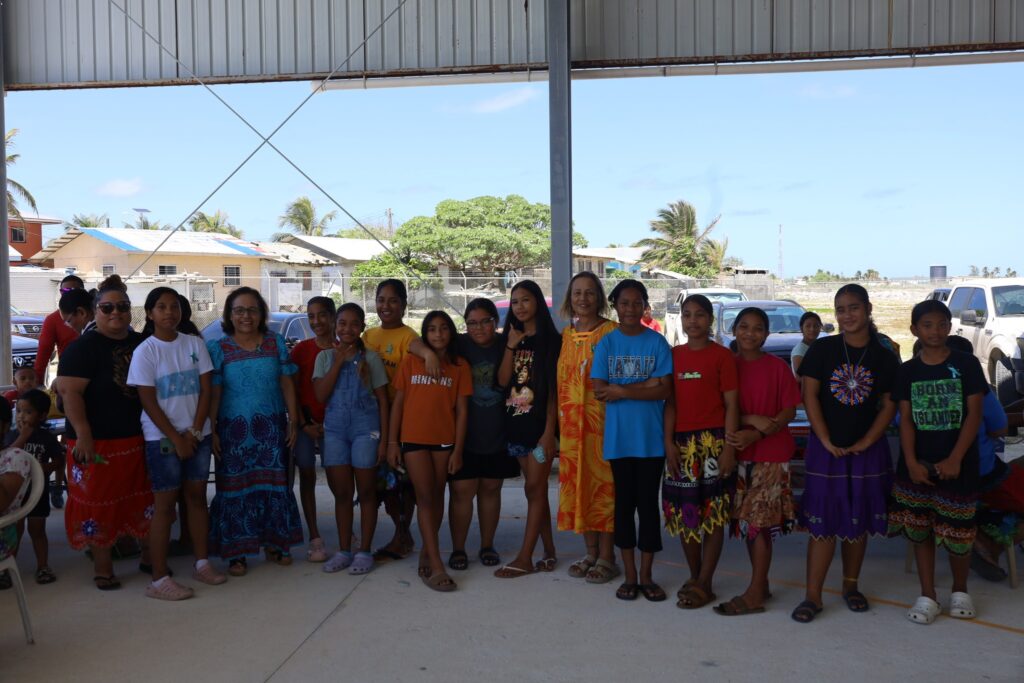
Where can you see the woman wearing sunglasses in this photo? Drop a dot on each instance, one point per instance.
(55, 333)
(109, 494)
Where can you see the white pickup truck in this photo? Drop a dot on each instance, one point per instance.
(990, 314)
(674, 314)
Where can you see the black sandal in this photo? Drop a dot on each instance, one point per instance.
(805, 612)
(856, 601)
(489, 557)
(628, 591)
(106, 583)
(45, 575)
(653, 592)
(458, 560)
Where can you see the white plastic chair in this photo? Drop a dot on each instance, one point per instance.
(9, 564)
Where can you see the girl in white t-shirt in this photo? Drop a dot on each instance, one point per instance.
(172, 374)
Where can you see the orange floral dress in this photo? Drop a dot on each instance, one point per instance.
(586, 495)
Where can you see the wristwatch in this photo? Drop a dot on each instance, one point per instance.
(197, 433)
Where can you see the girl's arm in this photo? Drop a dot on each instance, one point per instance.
(639, 391)
(287, 384)
(505, 369)
(47, 342)
(394, 430)
(323, 386)
(950, 467)
(918, 474)
(419, 348)
(461, 419)
(72, 392)
(811, 386)
(669, 435)
(203, 408)
(184, 447)
(548, 440)
(795, 361)
(878, 426)
(727, 460)
(381, 393)
(215, 393)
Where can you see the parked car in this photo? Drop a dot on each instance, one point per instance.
(674, 313)
(990, 314)
(783, 319)
(294, 327)
(502, 307)
(23, 352)
(939, 294)
(25, 325)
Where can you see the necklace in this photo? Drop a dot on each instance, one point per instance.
(852, 383)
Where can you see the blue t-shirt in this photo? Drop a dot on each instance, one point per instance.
(632, 429)
(993, 419)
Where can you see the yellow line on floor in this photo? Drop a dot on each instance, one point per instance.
(883, 601)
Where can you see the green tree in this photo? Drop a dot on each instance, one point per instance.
(1010, 272)
(381, 232)
(824, 276)
(216, 222)
(16, 190)
(143, 223)
(87, 220)
(974, 271)
(985, 272)
(679, 243)
(368, 274)
(872, 275)
(300, 218)
(713, 252)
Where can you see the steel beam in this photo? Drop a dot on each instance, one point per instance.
(560, 141)
(5, 263)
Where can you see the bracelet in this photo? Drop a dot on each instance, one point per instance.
(511, 348)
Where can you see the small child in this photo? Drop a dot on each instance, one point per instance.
(24, 380)
(648, 320)
(351, 383)
(810, 328)
(427, 433)
(15, 471)
(940, 394)
(763, 505)
(31, 436)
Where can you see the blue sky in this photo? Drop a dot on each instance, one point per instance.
(892, 169)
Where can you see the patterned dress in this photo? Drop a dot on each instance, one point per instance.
(586, 496)
(13, 461)
(254, 506)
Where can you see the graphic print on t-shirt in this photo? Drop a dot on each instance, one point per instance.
(122, 356)
(630, 367)
(938, 404)
(521, 395)
(851, 384)
(485, 393)
(178, 384)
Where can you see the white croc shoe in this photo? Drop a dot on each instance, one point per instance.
(924, 611)
(961, 606)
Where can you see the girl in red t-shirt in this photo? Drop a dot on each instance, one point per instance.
(763, 502)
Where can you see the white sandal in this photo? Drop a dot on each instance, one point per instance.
(924, 611)
(961, 606)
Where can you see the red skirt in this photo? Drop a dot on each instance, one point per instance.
(109, 499)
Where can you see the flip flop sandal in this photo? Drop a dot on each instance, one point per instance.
(856, 601)
(603, 571)
(278, 556)
(628, 591)
(695, 597)
(362, 564)
(424, 571)
(737, 607)
(510, 572)
(458, 560)
(489, 557)
(442, 583)
(805, 612)
(581, 567)
(961, 606)
(924, 611)
(45, 575)
(547, 564)
(386, 555)
(238, 567)
(986, 569)
(106, 583)
(653, 592)
(685, 587)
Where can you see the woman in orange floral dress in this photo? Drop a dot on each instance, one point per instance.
(586, 499)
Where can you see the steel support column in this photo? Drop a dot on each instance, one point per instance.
(5, 263)
(560, 141)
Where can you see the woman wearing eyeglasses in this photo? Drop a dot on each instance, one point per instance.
(109, 494)
(256, 416)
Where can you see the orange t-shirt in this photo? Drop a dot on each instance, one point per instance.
(700, 379)
(428, 411)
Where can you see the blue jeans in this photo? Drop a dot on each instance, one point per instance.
(351, 422)
(167, 471)
(305, 449)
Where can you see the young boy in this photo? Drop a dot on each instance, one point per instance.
(940, 394)
(14, 469)
(24, 379)
(32, 437)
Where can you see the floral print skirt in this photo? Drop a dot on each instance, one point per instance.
(698, 501)
(763, 502)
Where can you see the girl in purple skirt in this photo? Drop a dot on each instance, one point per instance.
(846, 384)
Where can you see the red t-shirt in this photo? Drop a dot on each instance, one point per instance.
(700, 378)
(11, 397)
(304, 355)
(653, 325)
(767, 387)
(55, 333)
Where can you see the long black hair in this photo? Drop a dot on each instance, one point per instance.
(548, 344)
(73, 300)
(186, 326)
(151, 299)
(450, 354)
(362, 369)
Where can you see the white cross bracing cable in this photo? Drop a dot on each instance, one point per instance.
(265, 141)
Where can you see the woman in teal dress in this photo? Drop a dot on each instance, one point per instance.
(256, 417)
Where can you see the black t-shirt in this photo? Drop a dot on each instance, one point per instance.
(938, 406)
(485, 434)
(41, 444)
(526, 397)
(111, 406)
(852, 380)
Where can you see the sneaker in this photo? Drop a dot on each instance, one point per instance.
(316, 551)
(57, 497)
(340, 560)
(208, 575)
(168, 589)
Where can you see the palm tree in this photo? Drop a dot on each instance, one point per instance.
(713, 252)
(300, 217)
(679, 244)
(14, 188)
(217, 222)
(143, 223)
(87, 220)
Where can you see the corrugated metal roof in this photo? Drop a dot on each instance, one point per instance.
(291, 253)
(66, 43)
(340, 248)
(623, 254)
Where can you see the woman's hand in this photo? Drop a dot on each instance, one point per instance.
(550, 446)
(215, 445)
(836, 451)
(514, 337)
(762, 424)
(948, 468)
(919, 474)
(313, 430)
(454, 463)
(609, 393)
(742, 438)
(726, 464)
(184, 446)
(859, 446)
(293, 433)
(672, 459)
(84, 452)
(432, 363)
(382, 453)
(395, 457)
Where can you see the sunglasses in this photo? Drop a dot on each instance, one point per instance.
(65, 290)
(107, 307)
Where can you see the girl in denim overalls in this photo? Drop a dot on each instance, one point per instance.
(352, 382)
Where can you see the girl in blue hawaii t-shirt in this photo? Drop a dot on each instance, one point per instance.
(632, 373)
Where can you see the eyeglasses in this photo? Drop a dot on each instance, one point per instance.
(107, 307)
(245, 310)
(477, 324)
(65, 290)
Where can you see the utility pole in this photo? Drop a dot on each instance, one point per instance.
(390, 214)
(782, 270)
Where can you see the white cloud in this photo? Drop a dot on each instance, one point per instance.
(817, 91)
(120, 187)
(505, 101)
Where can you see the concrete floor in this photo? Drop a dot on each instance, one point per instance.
(298, 624)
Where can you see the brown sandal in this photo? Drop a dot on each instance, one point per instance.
(442, 583)
(737, 607)
(695, 597)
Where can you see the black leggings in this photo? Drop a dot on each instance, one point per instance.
(637, 483)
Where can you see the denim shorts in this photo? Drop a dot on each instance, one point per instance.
(304, 451)
(358, 451)
(167, 471)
